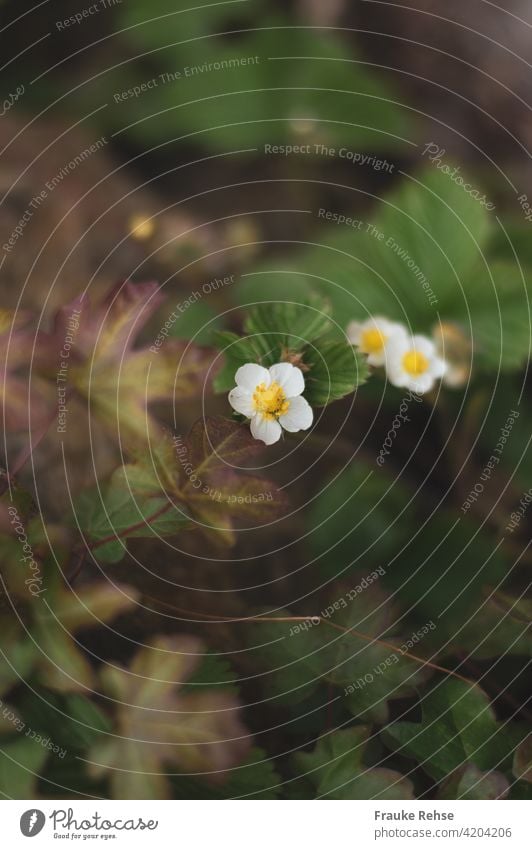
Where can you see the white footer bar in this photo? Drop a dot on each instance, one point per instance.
(266, 824)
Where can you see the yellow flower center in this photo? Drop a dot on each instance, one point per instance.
(270, 400)
(372, 341)
(415, 363)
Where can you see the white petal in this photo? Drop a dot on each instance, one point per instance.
(397, 344)
(289, 377)
(354, 332)
(421, 384)
(299, 415)
(396, 330)
(241, 401)
(424, 345)
(267, 430)
(386, 327)
(251, 375)
(438, 367)
(377, 359)
(396, 375)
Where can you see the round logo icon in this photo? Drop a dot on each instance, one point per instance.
(32, 822)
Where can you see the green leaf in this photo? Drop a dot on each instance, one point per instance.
(503, 416)
(296, 658)
(513, 240)
(278, 83)
(299, 333)
(71, 720)
(120, 382)
(118, 512)
(410, 261)
(371, 674)
(495, 628)
(498, 316)
(65, 772)
(337, 770)
(217, 494)
(458, 727)
(152, 25)
(214, 671)
(21, 762)
(358, 520)
(256, 778)
(62, 666)
(157, 725)
(199, 323)
(335, 370)
(443, 570)
(58, 614)
(282, 327)
(237, 351)
(17, 658)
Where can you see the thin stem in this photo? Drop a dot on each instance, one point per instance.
(129, 530)
(317, 620)
(413, 657)
(209, 617)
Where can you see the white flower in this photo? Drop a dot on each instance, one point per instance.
(413, 362)
(271, 398)
(372, 336)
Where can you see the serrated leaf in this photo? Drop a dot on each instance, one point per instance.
(336, 769)
(236, 351)
(215, 491)
(281, 327)
(256, 778)
(496, 627)
(214, 671)
(298, 333)
(410, 262)
(55, 617)
(119, 393)
(335, 370)
(120, 382)
(157, 726)
(120, 514)
(458, 727)
(443, 571)
(297, 657)
(506, 408)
